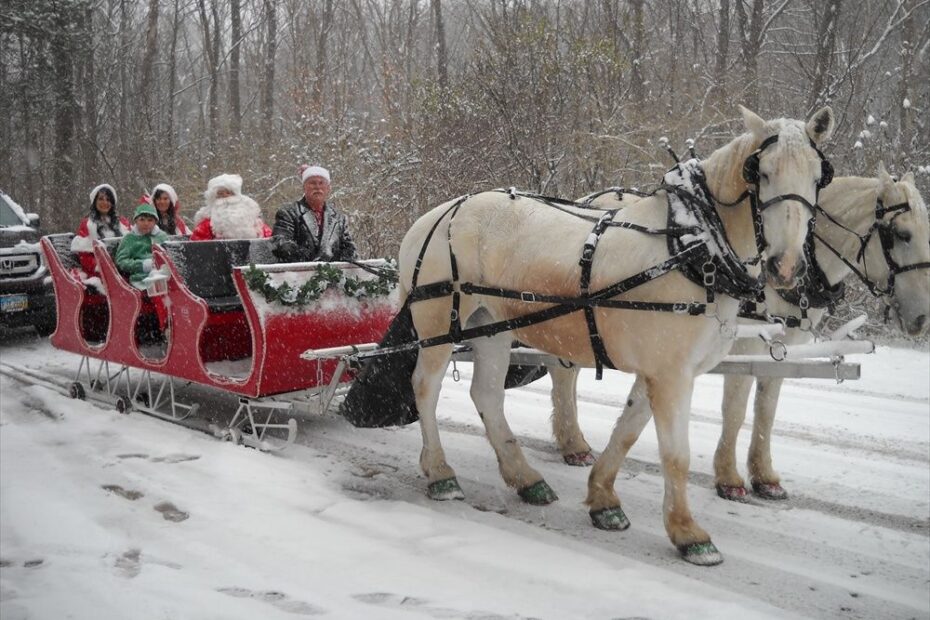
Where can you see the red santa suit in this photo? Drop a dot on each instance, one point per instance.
(233, 217)
(94, 227)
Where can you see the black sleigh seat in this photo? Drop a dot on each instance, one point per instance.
(62, 244)
(206, 267)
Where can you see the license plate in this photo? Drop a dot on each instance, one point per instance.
(13, 303)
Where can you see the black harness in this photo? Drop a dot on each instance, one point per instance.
(886, 236)
(700, 250)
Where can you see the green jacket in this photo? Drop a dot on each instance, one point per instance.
(134, 254)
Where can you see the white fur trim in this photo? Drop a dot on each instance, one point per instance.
(232, 182)
(147, 265)
(314, 171)
(82, 244)
(202, 214)
(173, 195)
(93, 193)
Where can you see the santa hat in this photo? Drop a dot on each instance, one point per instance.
(164, 187)
(232, 182)
(313, 171)
(96, 190)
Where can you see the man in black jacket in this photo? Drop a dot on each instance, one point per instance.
(310, 229)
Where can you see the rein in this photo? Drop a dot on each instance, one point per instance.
(886, 239)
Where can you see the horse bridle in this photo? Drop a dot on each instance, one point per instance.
(752, 177)
(886, 236)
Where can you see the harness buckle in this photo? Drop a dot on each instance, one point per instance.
(806, 324)
(454, 315)
(528, 297)
(778, 350)
(709, 270)
(804, 303)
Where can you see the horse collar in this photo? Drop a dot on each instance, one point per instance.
(690, 203)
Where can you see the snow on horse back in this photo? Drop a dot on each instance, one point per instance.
(656, 292)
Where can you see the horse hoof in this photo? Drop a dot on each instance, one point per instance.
(701, 554)
(579, 459)
(732, 493)
(539, 494)
(610, 519)
(769, 490)
(443, 490)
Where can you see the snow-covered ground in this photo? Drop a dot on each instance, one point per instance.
(105, 515)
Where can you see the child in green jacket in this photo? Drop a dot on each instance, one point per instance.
(134, 255)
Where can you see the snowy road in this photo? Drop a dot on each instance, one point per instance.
(853, 540)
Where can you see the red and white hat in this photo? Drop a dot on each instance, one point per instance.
(164, 187)
(96, 190)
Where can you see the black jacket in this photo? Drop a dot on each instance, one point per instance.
(296, 237)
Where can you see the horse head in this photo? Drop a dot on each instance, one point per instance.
(901, 255)
(784, 174)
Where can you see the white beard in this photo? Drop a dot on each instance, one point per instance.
(235, 217)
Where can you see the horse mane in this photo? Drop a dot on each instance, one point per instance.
(724, 167)
(857, 211)
(914, 198)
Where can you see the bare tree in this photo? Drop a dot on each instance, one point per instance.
(442, 60)
(825, 49)
(320, 78)
(904, 140)
(235, 108)
(267, 79)
(211, 45)
(722, 49)
(172, 75)
(146, 84)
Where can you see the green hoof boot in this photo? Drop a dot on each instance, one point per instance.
(702, 554)
(443, 490)
(539, 494)
(610, 519)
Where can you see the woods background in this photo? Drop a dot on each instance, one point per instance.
(412, 102)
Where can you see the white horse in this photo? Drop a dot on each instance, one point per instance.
(517, 244)
(857, 208)
(853, 202)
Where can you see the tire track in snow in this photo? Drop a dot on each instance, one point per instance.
(788, 571)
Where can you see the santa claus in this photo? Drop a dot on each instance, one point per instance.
(228, 214)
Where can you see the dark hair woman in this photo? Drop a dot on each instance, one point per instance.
(102, 222)
(165, 201)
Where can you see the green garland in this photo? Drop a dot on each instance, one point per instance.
(325, 278)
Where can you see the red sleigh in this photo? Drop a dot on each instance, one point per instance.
(208, 327)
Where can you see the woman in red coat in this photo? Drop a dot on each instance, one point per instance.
(102, 222)
(228, 214)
